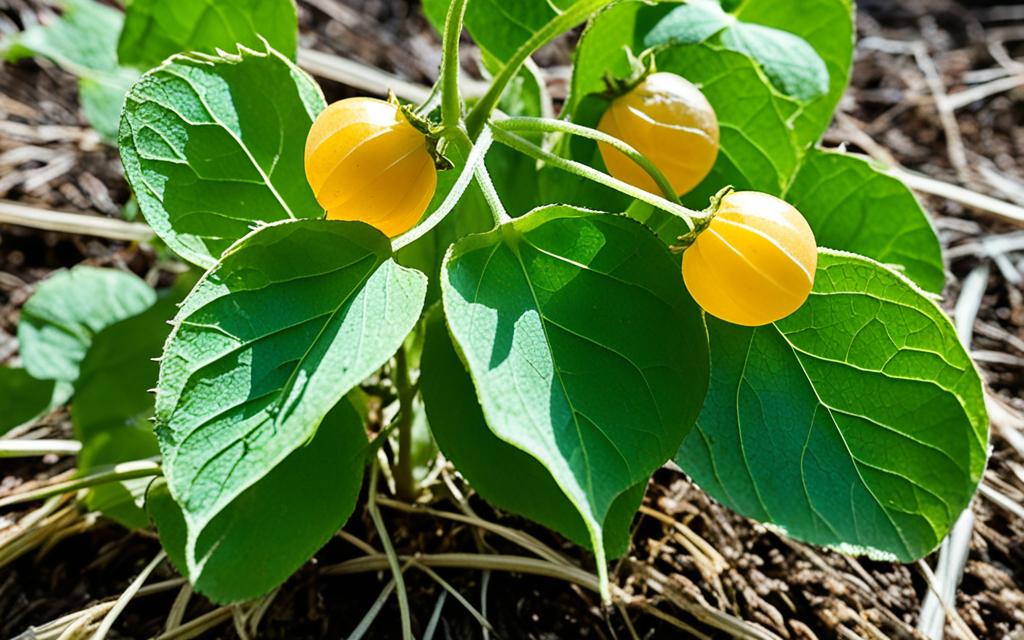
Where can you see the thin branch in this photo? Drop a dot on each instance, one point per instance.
(391, 558)
(113, 473)
(77, 223)
(32, 448)
(126, 597)
(371, 79)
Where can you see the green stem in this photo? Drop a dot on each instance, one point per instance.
(475, 154)
(113, 473)
(451, 99)
(494, 202)
(558, 25)
(551, 125)
(404, 483)
(693, 219)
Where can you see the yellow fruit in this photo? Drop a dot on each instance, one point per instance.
(667, 119)
(755, 263)
(366, 162)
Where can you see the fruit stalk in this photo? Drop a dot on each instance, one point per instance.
(690, 217)
(551, 125)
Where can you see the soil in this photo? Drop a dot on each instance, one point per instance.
(49, 158)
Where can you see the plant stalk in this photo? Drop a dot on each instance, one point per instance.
(551, 125)
(475, 155)
(404, 483)
(555, 27)
(451, 99)
(693, 219)
(114, 473)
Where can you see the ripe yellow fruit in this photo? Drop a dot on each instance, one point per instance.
(667, 119)
(366, 162)
(755, 263)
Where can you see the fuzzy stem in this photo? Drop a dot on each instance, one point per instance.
(494, 202)
(451, 100)
(551, 125)
(693, 219)
(404, 483)
(475, 155)
(555, 27)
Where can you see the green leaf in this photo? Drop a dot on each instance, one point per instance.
(83, 42)
(792, 64)
(113, 405)
(213, 145)
(691, 23)
(156, 29)
(853, 205)
(67, 310)
(757, 149)
(585, 349)
(498, 28)
(857, 423)
(501, 473)
(276, 525)
(292, 318)
(828, 26)
(22, 397)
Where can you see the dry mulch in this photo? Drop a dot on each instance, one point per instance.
(49, 158)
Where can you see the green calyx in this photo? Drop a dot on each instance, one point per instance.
(701, 224)
(640, 67)
(437, 142)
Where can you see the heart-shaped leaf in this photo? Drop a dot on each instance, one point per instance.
(155, 29)
(857, 423)
(585, 349)
(213, 145)
(277, 524)
(293, 317)
(504, 475)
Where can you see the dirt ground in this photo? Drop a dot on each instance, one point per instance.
(914, 59)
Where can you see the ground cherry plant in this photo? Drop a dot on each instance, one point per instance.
(663, 268)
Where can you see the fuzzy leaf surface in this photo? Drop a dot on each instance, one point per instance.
(585, 350)
(213, 145)
(856, 423)
(290, 320)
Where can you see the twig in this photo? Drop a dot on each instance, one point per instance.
(78, 223)
(961, 99)
(31, 448)
(1004, 210)
(954, 618)
(113, 473)
(390, 557)
(126, 597)
(368, 78)
(954, 142)
(1001, 500)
